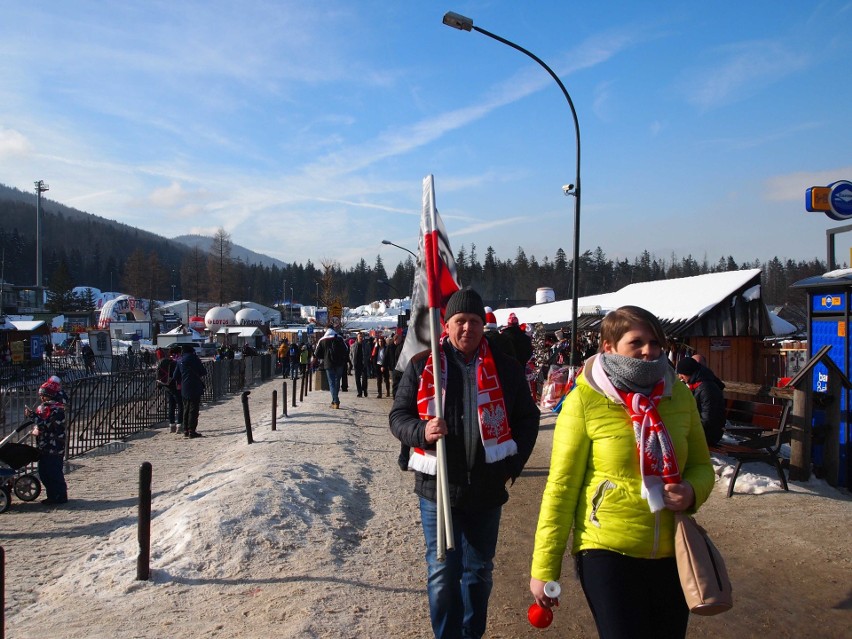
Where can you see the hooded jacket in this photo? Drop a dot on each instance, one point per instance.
(594, 484)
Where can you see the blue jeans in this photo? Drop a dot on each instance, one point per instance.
(460, 586)
(175, 403)
(334, 374)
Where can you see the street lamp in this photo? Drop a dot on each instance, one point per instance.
(317, 283)
(400, 247)
(40, 187)
(389, 285)
(466, 24)
(291, 302)
(412, 255)
(173, 292)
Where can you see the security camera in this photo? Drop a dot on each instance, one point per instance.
(568, 189)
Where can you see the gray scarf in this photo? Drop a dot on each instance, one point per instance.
(631, 374)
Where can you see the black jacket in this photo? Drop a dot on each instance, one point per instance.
(521, 342)
(485, 486)
(711, 403)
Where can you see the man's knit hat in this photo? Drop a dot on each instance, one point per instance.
(687, 366)
(465, 300)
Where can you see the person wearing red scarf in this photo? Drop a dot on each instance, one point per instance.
(490, 427)
(628, 452)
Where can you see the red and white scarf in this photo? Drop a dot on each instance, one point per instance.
(657, 461)
(494, 430)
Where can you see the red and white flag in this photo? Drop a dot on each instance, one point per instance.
(436, 278)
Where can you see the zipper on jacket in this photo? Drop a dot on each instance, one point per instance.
(598, 499)
(656, 535)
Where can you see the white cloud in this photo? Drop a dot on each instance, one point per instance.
(740, 70)
(13, 143)
(792, 186)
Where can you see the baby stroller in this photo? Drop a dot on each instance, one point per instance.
(13, 457)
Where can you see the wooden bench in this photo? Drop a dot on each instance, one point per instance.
(760, 429)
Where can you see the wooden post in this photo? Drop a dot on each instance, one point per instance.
(800, 439)
(247, 416)
(284, 397)
(275, 407)
(831, 447)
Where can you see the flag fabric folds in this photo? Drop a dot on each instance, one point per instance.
(434, 252)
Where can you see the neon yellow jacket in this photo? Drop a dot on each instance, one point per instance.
(594, 484)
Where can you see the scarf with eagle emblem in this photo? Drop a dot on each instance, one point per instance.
(494, 430)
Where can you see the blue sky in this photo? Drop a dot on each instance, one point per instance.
(305, 128)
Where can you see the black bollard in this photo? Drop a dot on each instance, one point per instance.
(275, 407)
(302, 389)
(143, 560)
(2, 593)
(247, 416)
(284, 397)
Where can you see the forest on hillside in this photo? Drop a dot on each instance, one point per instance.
(93, 252)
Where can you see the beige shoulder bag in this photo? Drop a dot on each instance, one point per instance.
(702, 571)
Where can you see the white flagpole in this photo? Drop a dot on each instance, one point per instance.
(444, 507)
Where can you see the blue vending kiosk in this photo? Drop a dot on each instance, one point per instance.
(829, 303)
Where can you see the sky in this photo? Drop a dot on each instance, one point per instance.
(305, 129)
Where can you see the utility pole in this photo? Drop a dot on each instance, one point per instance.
(40, 187)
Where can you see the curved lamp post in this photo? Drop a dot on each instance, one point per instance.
(388, 242)
(389, 285)
(466, 24)
(401, 247)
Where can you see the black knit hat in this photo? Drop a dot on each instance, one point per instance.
(465, 300)
(687, 366)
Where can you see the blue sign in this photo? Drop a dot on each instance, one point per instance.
(840, 200)
(829, 303)
(36, 347)
(310, 329)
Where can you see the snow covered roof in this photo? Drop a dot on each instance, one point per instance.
(239, 331)
(21, 325)
(677, 302)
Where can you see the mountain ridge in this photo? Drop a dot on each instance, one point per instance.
(238, 252)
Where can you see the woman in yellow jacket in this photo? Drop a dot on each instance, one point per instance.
(628, 452)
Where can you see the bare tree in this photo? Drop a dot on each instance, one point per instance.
(219, 265)
(193, 276)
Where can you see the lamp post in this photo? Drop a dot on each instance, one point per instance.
(173, 292)
(291, 303)
(317, 283)
(401, 247)
(40, 187)
(466, 24)
(389, 285)
(388, 242)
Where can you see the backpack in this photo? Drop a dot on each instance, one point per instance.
(338, 354)
(294, 351)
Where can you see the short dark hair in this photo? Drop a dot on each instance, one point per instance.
(618, 322)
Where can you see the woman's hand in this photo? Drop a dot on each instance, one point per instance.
(436, 428)
(537, 590)
(678, 497)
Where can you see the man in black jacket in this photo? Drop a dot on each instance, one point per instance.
(708, 396)
(361, 362)
(477, 414)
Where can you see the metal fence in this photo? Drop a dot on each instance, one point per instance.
(114, 399)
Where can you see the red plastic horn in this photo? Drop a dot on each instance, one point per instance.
(539, 617)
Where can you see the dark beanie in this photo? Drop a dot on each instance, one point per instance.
(465, 300)
(688, 366)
